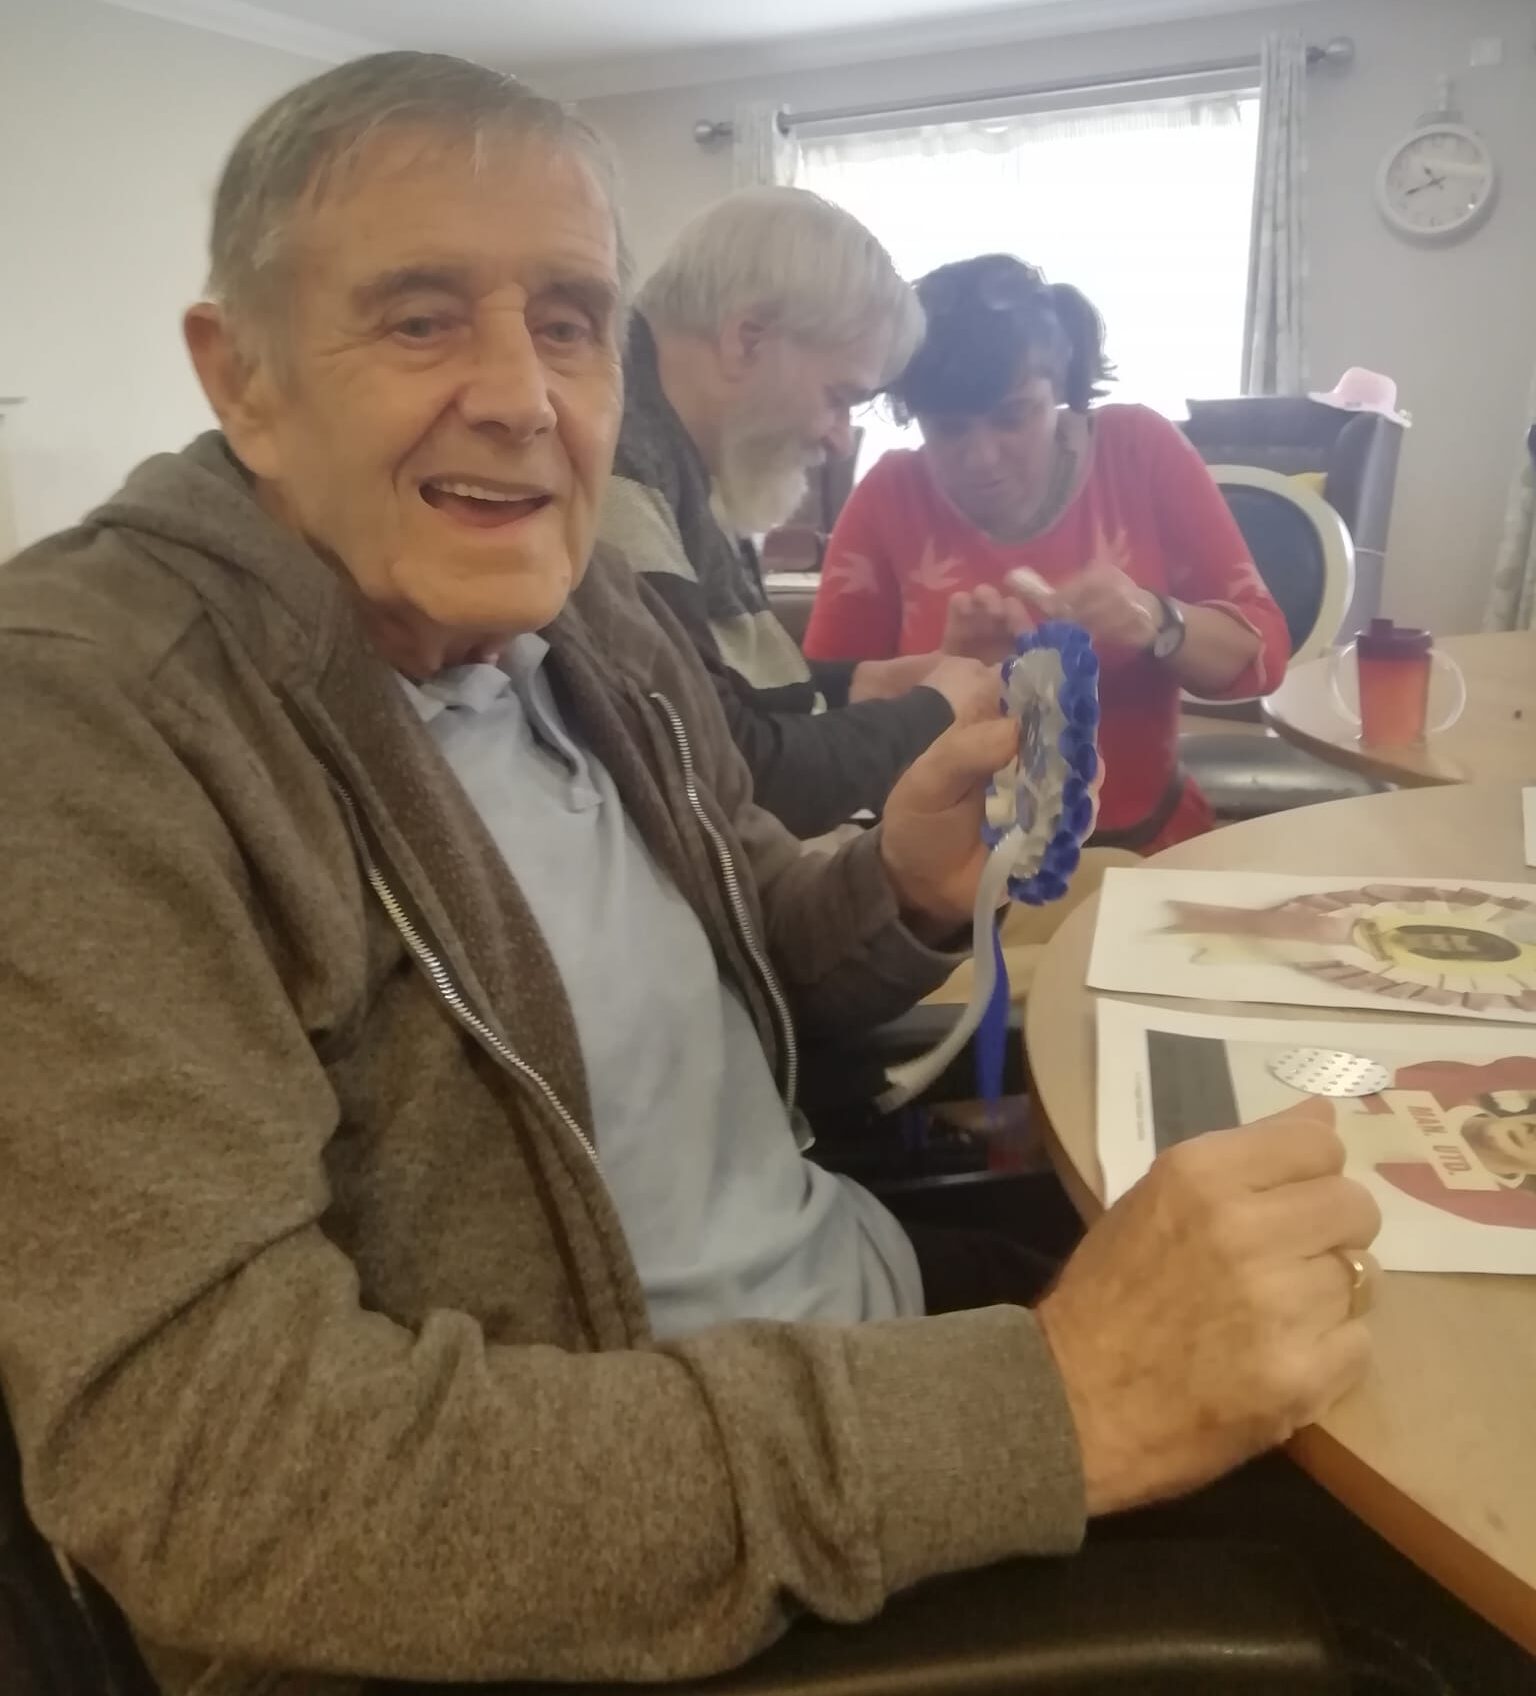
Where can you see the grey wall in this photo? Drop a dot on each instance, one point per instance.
(113, 128)
(1455, 327)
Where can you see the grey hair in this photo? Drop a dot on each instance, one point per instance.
(810, 268)
(293, 152)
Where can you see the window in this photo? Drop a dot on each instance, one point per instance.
(1147, 208)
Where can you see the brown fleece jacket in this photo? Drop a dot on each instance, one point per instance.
(317, 1325)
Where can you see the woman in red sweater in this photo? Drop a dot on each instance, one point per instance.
(1024, 503)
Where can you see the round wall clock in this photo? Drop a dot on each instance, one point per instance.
(1438, 183)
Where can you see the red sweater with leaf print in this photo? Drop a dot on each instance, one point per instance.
(1146, 505)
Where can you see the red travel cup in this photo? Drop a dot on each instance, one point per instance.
(1394, 664)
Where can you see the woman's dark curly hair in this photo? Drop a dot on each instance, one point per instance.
(991, 321)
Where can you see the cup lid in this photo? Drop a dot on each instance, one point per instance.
(1384, 640)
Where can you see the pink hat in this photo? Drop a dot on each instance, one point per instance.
(1359, 390)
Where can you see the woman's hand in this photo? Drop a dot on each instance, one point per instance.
(986, 623)
(1219, 644)
(1113, 610)
(983, 625)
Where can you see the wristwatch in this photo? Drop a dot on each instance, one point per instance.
(1171, 632)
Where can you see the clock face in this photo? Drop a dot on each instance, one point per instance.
(1438, 184)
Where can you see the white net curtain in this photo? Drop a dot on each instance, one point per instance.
(1146, 207)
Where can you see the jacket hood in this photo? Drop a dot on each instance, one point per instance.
(196, 511)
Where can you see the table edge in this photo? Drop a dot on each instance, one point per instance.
(1354, 757)
(1490, 1590)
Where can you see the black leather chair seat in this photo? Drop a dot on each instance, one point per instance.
(1246, 776)
(1134, 1619)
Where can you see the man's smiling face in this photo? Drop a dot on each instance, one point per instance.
(439, 413)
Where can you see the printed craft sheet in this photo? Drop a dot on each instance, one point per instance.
(1431, 945)
(1448, 1148)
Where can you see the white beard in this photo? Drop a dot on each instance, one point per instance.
(760, 483)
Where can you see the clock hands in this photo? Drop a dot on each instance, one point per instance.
(1438, 183)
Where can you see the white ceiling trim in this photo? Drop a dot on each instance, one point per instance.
(827, 50)
(585, 79)
(246, 21)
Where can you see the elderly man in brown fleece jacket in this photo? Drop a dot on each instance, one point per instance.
(326, 1343)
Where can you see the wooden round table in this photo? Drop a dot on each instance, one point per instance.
(1437, 1450)
(1493, 741)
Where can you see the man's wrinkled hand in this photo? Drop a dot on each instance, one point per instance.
(930, 837)
(972, 689)
(888, 680)
(957, 680)
(1207, 1316)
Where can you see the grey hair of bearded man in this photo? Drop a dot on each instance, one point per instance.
(297, 150)
(806, 267)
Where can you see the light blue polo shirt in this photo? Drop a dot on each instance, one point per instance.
(725, 1218)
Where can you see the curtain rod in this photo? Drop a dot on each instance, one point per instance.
(1338, 53)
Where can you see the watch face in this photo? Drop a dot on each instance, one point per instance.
(1170, 636)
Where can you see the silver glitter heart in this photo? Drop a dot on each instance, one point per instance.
(1330, 1071)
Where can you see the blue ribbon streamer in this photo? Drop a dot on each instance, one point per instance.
(990, 1043)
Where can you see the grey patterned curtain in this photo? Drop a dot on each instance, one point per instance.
(761, 154)
(1274, 359)
(1512, 601)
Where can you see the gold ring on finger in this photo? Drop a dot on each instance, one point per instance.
(1359, 1270)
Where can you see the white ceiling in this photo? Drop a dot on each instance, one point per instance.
(588, 47)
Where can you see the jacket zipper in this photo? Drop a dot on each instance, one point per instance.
(738, 905)
(441, 979)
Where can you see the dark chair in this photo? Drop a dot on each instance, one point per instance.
(792, 554)
(800, 542)
(59, 1633)
(1121, 1619)
(1303, 552)
(1356, 452)
(1159, 1617)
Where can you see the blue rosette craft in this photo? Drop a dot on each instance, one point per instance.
(1040, 810)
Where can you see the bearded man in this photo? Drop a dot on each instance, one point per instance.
(773, 317)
